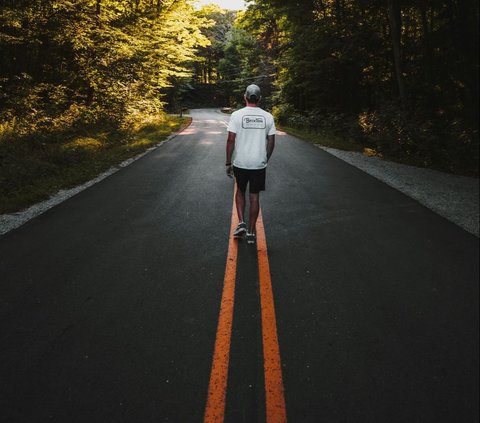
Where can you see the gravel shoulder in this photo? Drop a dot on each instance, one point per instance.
(454, 197)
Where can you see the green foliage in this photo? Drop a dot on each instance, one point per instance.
(95, 61)
(218, 32)
(341, 68)
(32, 169)
(238, 67)
(83, 86)
(205, 88)
(399, 77)
(421, 140)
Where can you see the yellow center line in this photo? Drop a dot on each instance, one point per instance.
(274, 394)
(217, 388)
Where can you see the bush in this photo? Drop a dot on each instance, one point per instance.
(409, 136)
(422, 140)
(324, 122)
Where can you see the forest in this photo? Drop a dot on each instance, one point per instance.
(396, 77)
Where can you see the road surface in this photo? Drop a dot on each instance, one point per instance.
(110, 301)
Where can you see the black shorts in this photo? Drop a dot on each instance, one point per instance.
(256, 178)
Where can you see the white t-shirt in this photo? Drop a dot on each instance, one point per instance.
(251, 125)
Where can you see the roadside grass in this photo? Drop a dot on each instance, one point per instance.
(339, 143)
(34, 168)
(326, 140)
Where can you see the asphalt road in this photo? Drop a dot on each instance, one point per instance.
(109, 302)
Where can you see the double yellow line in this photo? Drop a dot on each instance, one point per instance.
(217, 389)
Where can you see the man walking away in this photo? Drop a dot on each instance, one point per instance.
(250, 143)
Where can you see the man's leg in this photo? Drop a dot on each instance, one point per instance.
(240, 203)
(257, 184)
(241, 180)
(254, 211)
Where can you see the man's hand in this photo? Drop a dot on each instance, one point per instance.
(230, 171)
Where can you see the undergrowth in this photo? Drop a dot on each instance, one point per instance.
(36, 165)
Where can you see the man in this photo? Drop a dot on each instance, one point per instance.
(251, 140)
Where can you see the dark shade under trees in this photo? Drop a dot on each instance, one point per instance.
(397, 76)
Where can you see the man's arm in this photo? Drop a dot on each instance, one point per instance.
(230, 148)
(230, 145)
(270, 145)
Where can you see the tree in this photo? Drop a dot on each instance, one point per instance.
(93, 60)
(218, 33)
(400, 76)
(395, 20)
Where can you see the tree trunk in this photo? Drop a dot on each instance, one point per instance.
(395, 20)
(338, 13)
(427, 42)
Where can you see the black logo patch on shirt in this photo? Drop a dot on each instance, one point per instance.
(254, 122)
